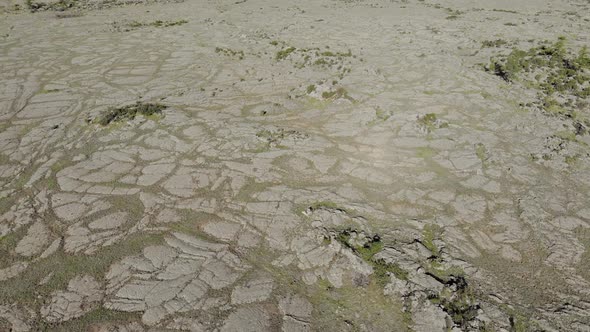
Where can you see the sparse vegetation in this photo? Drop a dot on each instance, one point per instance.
(458, 301)
(157, 24)
(230, 53)
(324, 205)
(429, 234)
(60, 5)
(572, 160)
(284, 53)
(453, 13)
(134, 25)
(430, 122)
(381, 115)
(494, 43)
(66, 266)
(70, 14)
(456, 298)
(275, 137)
(304, 57)
(367, 251)
(481, 152)
(129, 112)
(561, 76)
(336, 94)
(505, 11)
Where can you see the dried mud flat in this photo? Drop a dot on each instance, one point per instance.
(294, 166)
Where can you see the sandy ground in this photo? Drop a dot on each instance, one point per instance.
(319, 166)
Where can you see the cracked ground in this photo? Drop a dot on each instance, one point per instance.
(258, 165)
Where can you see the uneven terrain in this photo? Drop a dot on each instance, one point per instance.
(260, 165)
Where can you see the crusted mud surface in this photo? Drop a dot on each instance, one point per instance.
(330, 165)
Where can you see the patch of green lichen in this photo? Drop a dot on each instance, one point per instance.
(310, 88)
